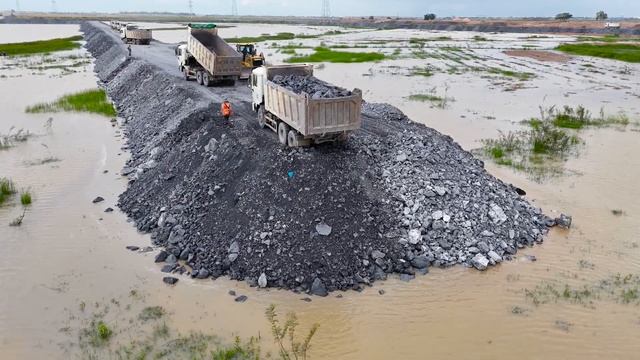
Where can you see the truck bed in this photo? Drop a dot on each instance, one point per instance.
(314, 116)
(214, 54)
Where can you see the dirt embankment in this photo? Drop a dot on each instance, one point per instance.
(226, 199)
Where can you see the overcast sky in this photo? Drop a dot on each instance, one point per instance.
(518, 8)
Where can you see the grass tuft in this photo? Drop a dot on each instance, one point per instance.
(622, 52)
(7, 188)
(25, 198)
(42, 46)
(91, 101)
(322, 54)
(151, 313)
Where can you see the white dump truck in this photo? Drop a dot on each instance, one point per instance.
(131, 34)
(301, 119)
(207, 57)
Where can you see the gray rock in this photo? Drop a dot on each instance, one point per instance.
(414, 236)
(484, 248)
(168, 268)
(202, 274)
(241, 299)
(420, 262)
(480, 262)
(133, 248)
(234, 248)
(494, 256)
(376, 254)
(232, 257)
(402, 157)
(99, 199)
(318, 288)
(564, 221)
(496, 214)
(262, 280)
(161, 257)
(171, 259)
(323, 229)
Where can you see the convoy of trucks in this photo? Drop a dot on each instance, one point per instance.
(207, 57)
(131, 34)
(298, 118)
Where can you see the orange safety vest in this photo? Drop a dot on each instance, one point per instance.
(225, 109)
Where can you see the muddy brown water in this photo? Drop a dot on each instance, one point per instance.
(69, 251)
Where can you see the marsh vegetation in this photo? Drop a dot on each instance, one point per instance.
(91, 101)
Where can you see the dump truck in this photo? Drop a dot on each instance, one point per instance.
(207, 57)
(302, 119)
(131, 34)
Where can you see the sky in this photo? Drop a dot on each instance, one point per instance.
(412, 8)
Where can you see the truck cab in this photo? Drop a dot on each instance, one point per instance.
(256, 83)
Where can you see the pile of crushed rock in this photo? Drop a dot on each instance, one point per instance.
(397, 198)
(313, 86)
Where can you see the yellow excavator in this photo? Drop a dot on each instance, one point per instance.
(250, 58)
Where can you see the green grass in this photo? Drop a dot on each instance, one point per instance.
(322, 54)
(438, 101)
(25, 198)
(622, 52)
(608, 39)
(43, 46)
(524, 76)
(278, 37)
(91, 101)
(7, 188)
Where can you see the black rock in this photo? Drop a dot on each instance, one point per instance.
(202, 274)
(169, 280)
(98, 200)
(307, 299)
(232, 293)
(168, 268)
(161, 257)
(241, 299)
(318, 288)
(420, 262)
(133, 248)
(108, 210)
(381, 292)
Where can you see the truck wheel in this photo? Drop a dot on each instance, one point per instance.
(205, 80)
(199, 77)
(283, 132)
(186, 74)
(292, 139)
(262, 121)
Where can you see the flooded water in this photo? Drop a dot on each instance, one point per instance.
(68, 259)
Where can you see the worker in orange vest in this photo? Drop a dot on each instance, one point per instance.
(225, 109)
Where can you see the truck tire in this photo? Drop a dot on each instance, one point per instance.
(185, 72)
(292, 139)
(206, 79)
(262, 121)
(199, 77)
(283, 133)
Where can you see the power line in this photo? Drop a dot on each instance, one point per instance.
(326, 8)
(234, 7)
(191, 7)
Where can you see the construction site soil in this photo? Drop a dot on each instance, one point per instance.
(224, 198)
